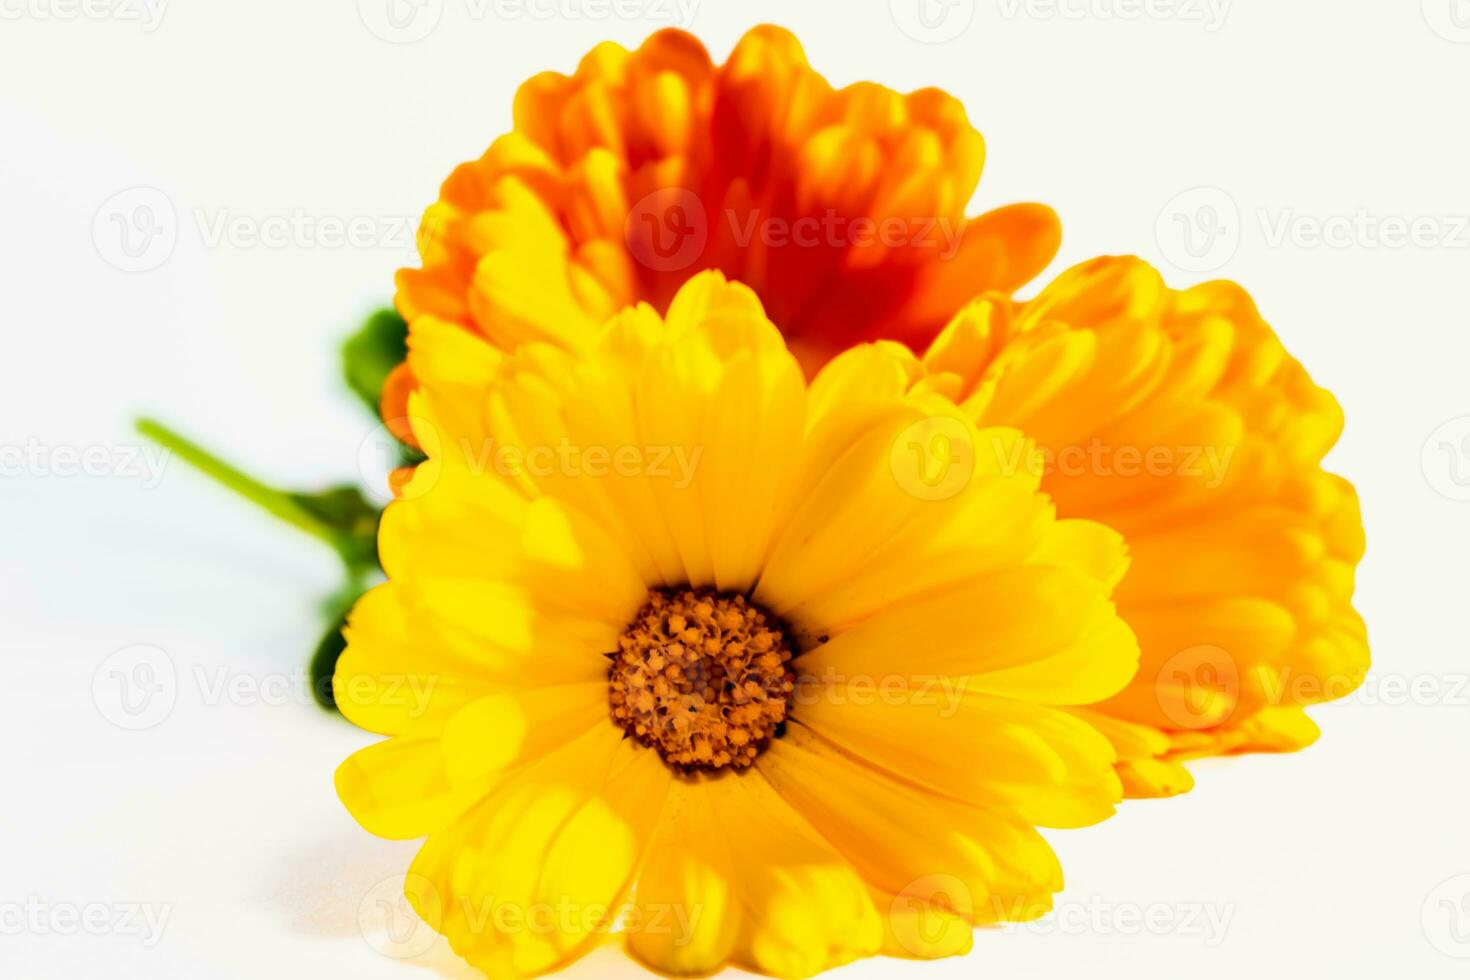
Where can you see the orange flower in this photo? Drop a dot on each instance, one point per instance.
(842, 208)
(1179, 420)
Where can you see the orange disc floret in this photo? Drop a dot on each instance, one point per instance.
(702, 678)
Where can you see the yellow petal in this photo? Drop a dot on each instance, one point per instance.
(534, 875)
(1049, 767)
(398, 788)
(993, 866)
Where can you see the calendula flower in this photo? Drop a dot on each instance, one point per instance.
(842, 208)
(1178, 419)
(722, 655)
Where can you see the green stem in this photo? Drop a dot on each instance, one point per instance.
(268, 498)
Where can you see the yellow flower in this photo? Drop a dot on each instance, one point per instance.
(842, 208)
(675, 637)
(1179, 420)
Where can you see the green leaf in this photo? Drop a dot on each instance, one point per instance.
(324, 663)
(379, 345)
(345, 510)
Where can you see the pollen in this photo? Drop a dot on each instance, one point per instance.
(703, 678)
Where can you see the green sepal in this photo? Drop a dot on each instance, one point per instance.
(378, 346)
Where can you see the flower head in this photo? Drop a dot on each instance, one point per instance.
(842, 208)
(774, 672)
(1178, 419)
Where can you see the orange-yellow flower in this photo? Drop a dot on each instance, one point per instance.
(1175, 417)
(787, 706)
(1178, 419)
(842, 208)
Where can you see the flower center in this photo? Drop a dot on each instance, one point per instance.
(703, 678)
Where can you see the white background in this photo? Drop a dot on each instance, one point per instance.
(1348, 116)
